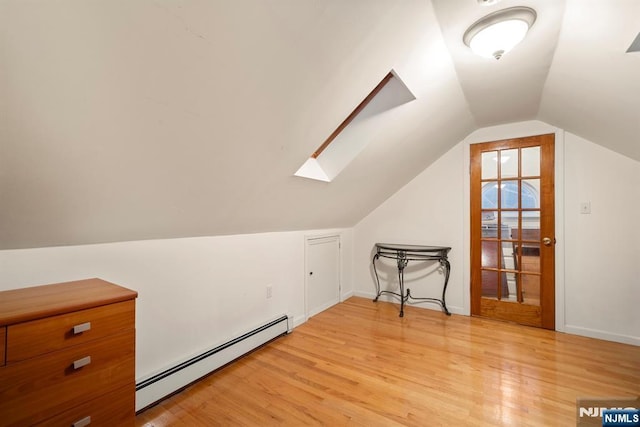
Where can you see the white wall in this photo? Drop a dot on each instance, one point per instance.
(194, 293)
(602, 273)
(428, 211)
(597, 255)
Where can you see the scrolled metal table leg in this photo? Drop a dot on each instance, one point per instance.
(401, 264)
(373, 261)
(447, 270)
(402, 300)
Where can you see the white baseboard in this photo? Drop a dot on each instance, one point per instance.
(345, 296)
(299, 320)
(323, 307)
(602, 335)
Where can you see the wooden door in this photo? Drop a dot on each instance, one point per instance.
(323, 274)
(512, 230)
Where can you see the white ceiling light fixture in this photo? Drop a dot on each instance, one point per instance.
(497, 33)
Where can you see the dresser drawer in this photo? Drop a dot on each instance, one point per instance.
(116, 409)
(30, 339)
(35, 389)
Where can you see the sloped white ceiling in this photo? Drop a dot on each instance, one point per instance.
(593, 88)
(125, 120)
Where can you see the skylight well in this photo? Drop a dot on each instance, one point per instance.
(635, 45)
(351, 136)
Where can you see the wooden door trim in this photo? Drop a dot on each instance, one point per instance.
(476, 232)
(547, 223)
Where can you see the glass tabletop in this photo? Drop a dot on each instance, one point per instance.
(411, 248)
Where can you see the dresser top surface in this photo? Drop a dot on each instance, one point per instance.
(25, 304)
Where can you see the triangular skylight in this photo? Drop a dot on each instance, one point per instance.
(349, 139)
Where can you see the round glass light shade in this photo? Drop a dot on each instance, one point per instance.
(497, 33)
(498, 39)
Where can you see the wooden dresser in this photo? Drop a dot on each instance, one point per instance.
(67, 355)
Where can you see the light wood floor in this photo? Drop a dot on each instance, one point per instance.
(359, 363)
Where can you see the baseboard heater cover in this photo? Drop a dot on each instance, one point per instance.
(167, 382)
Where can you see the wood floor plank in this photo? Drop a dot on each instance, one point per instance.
(358, 363)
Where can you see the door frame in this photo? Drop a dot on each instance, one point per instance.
(307, 242)
(510, 131)
(542, 314)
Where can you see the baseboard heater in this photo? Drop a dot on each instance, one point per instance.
(169, 381)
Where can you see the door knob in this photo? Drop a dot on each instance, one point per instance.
(546, 241)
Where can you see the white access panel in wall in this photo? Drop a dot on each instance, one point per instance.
(322, 273)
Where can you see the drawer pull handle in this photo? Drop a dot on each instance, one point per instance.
(83, 422)
(84, 327)
(81, 362)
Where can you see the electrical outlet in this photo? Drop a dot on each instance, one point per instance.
(269, 291)
(585, 207)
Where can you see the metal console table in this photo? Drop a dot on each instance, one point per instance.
(405, 253)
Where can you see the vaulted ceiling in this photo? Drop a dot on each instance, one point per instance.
(126, 120)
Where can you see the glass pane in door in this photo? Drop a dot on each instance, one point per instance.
(508, 163)
(530, 289)
(490, 165)
(512, 287)
(531, 161)
(530, 194)
(509, 194)
(531, 219)
(490, 195)
(489, 280)
(511, 223)
(490, 254)
(489, 219)
(529, 258)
